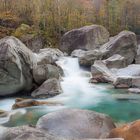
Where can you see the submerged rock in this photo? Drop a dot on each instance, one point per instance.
(16, 63)
(129, 131)
(31, 102)
(86, 38)
(48, 89)
(76, 123)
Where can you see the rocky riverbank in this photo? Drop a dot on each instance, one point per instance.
(112, 60)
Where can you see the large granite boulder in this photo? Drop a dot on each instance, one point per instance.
(31, 133)
(16, 63)
(75, 123)
(48, 89)
(129, 131)
(124, 43)
(86, 38)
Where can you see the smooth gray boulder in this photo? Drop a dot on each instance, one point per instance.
(85, 38)
(31, 133)
(16, 63)
(48, 89)
(76, 123)
(124, 43)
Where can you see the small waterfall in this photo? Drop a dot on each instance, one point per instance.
(77, 91)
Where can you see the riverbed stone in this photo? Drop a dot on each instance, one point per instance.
(48, 89)
(32, 102)
(76, 123)
(85, 38)
(129, 131)
(16, 63)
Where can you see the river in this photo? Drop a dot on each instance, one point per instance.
(77, 93)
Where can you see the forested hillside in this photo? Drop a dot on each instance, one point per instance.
(54, 17)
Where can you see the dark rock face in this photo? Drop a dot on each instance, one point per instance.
(86, 38)
(48, 89)
(129, 131)
(74, 123)
(16, 62)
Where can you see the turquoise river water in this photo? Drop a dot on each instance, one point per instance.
(78, 93)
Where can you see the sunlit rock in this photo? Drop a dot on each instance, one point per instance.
(129, 131)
